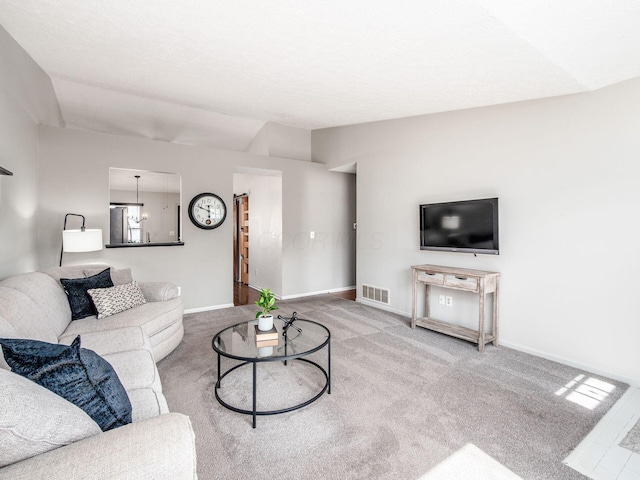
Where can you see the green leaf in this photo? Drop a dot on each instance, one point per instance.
(266, 302)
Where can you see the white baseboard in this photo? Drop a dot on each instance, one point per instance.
(310, 294)
(506, 343)
(522, 348)
(566, 361)
(382, 306)
(206, 309)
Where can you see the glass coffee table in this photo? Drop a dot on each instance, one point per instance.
(300, 339)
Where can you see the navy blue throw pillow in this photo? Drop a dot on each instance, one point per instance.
(78, 375)
(76, 289)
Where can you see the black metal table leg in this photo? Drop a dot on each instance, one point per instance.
(219, 368)
(222, 351)
(286, 341)
(254, 394)
(329, 365)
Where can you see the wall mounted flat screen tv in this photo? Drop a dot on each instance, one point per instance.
(467, 226)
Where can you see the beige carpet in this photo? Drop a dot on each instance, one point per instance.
(403, 404)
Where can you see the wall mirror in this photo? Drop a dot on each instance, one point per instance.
(144, 208)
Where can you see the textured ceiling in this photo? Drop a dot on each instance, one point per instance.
(211, 72)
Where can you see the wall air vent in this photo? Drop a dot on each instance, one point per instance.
(376, 294)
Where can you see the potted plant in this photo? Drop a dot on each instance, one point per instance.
(266, 302)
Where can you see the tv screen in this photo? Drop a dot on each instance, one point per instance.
(467, 226)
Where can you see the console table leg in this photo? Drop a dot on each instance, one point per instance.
(481, 322)
(427, 300)
(495, 315)
(254, 394)
(414, 306)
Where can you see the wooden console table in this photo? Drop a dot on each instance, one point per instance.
(478, 281)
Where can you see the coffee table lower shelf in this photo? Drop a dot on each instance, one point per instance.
(457, 331)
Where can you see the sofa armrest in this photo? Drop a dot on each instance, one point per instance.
(158, 291)
(161, 447)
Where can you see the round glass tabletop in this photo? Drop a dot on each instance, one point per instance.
(239, 341)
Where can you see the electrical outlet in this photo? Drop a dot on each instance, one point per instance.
(172, 233)
(179, 291)
(256, 272)
(449, 301)
(441, 300)
(312, 235)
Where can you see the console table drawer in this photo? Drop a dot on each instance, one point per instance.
(431, 278)
(464, 283)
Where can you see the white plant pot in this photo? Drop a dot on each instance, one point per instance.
(265, 323)
(265, 351)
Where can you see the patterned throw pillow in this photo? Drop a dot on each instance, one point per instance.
(109, 301)
(76, 290)
(78, 375)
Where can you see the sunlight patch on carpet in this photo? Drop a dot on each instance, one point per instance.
(470, 463)
(588, 393)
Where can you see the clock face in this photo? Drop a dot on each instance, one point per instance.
(207, 211)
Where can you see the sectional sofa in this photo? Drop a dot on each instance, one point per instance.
(42, 435)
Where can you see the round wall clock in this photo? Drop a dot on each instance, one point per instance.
(207, 211)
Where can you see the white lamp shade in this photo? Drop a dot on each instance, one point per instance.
(88, 240)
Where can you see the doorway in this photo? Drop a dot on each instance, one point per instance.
(257, 213)
(241, 289)
(241, 239)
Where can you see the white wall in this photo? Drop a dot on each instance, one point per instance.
(265, 228)
(26, 99)
(162, 216)
(566, 172)
(289, 142)
(277, 140)
(326, 206)
(260, 143)
(74, 173)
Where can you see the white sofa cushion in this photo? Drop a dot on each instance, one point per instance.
(147, 403)
(153, 317)
(49, 311)
(111, 341)
(162, 447)
(34, 420)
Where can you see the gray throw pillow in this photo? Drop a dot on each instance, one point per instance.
(34, 420)
(118, 276)
(78, 375)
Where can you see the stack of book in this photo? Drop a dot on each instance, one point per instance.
(267, 338)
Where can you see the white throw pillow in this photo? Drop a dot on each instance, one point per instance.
(34, 420)
(112, 300)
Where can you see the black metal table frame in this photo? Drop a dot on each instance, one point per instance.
(297, 356)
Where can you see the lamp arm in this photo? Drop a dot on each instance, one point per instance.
(64, 227)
